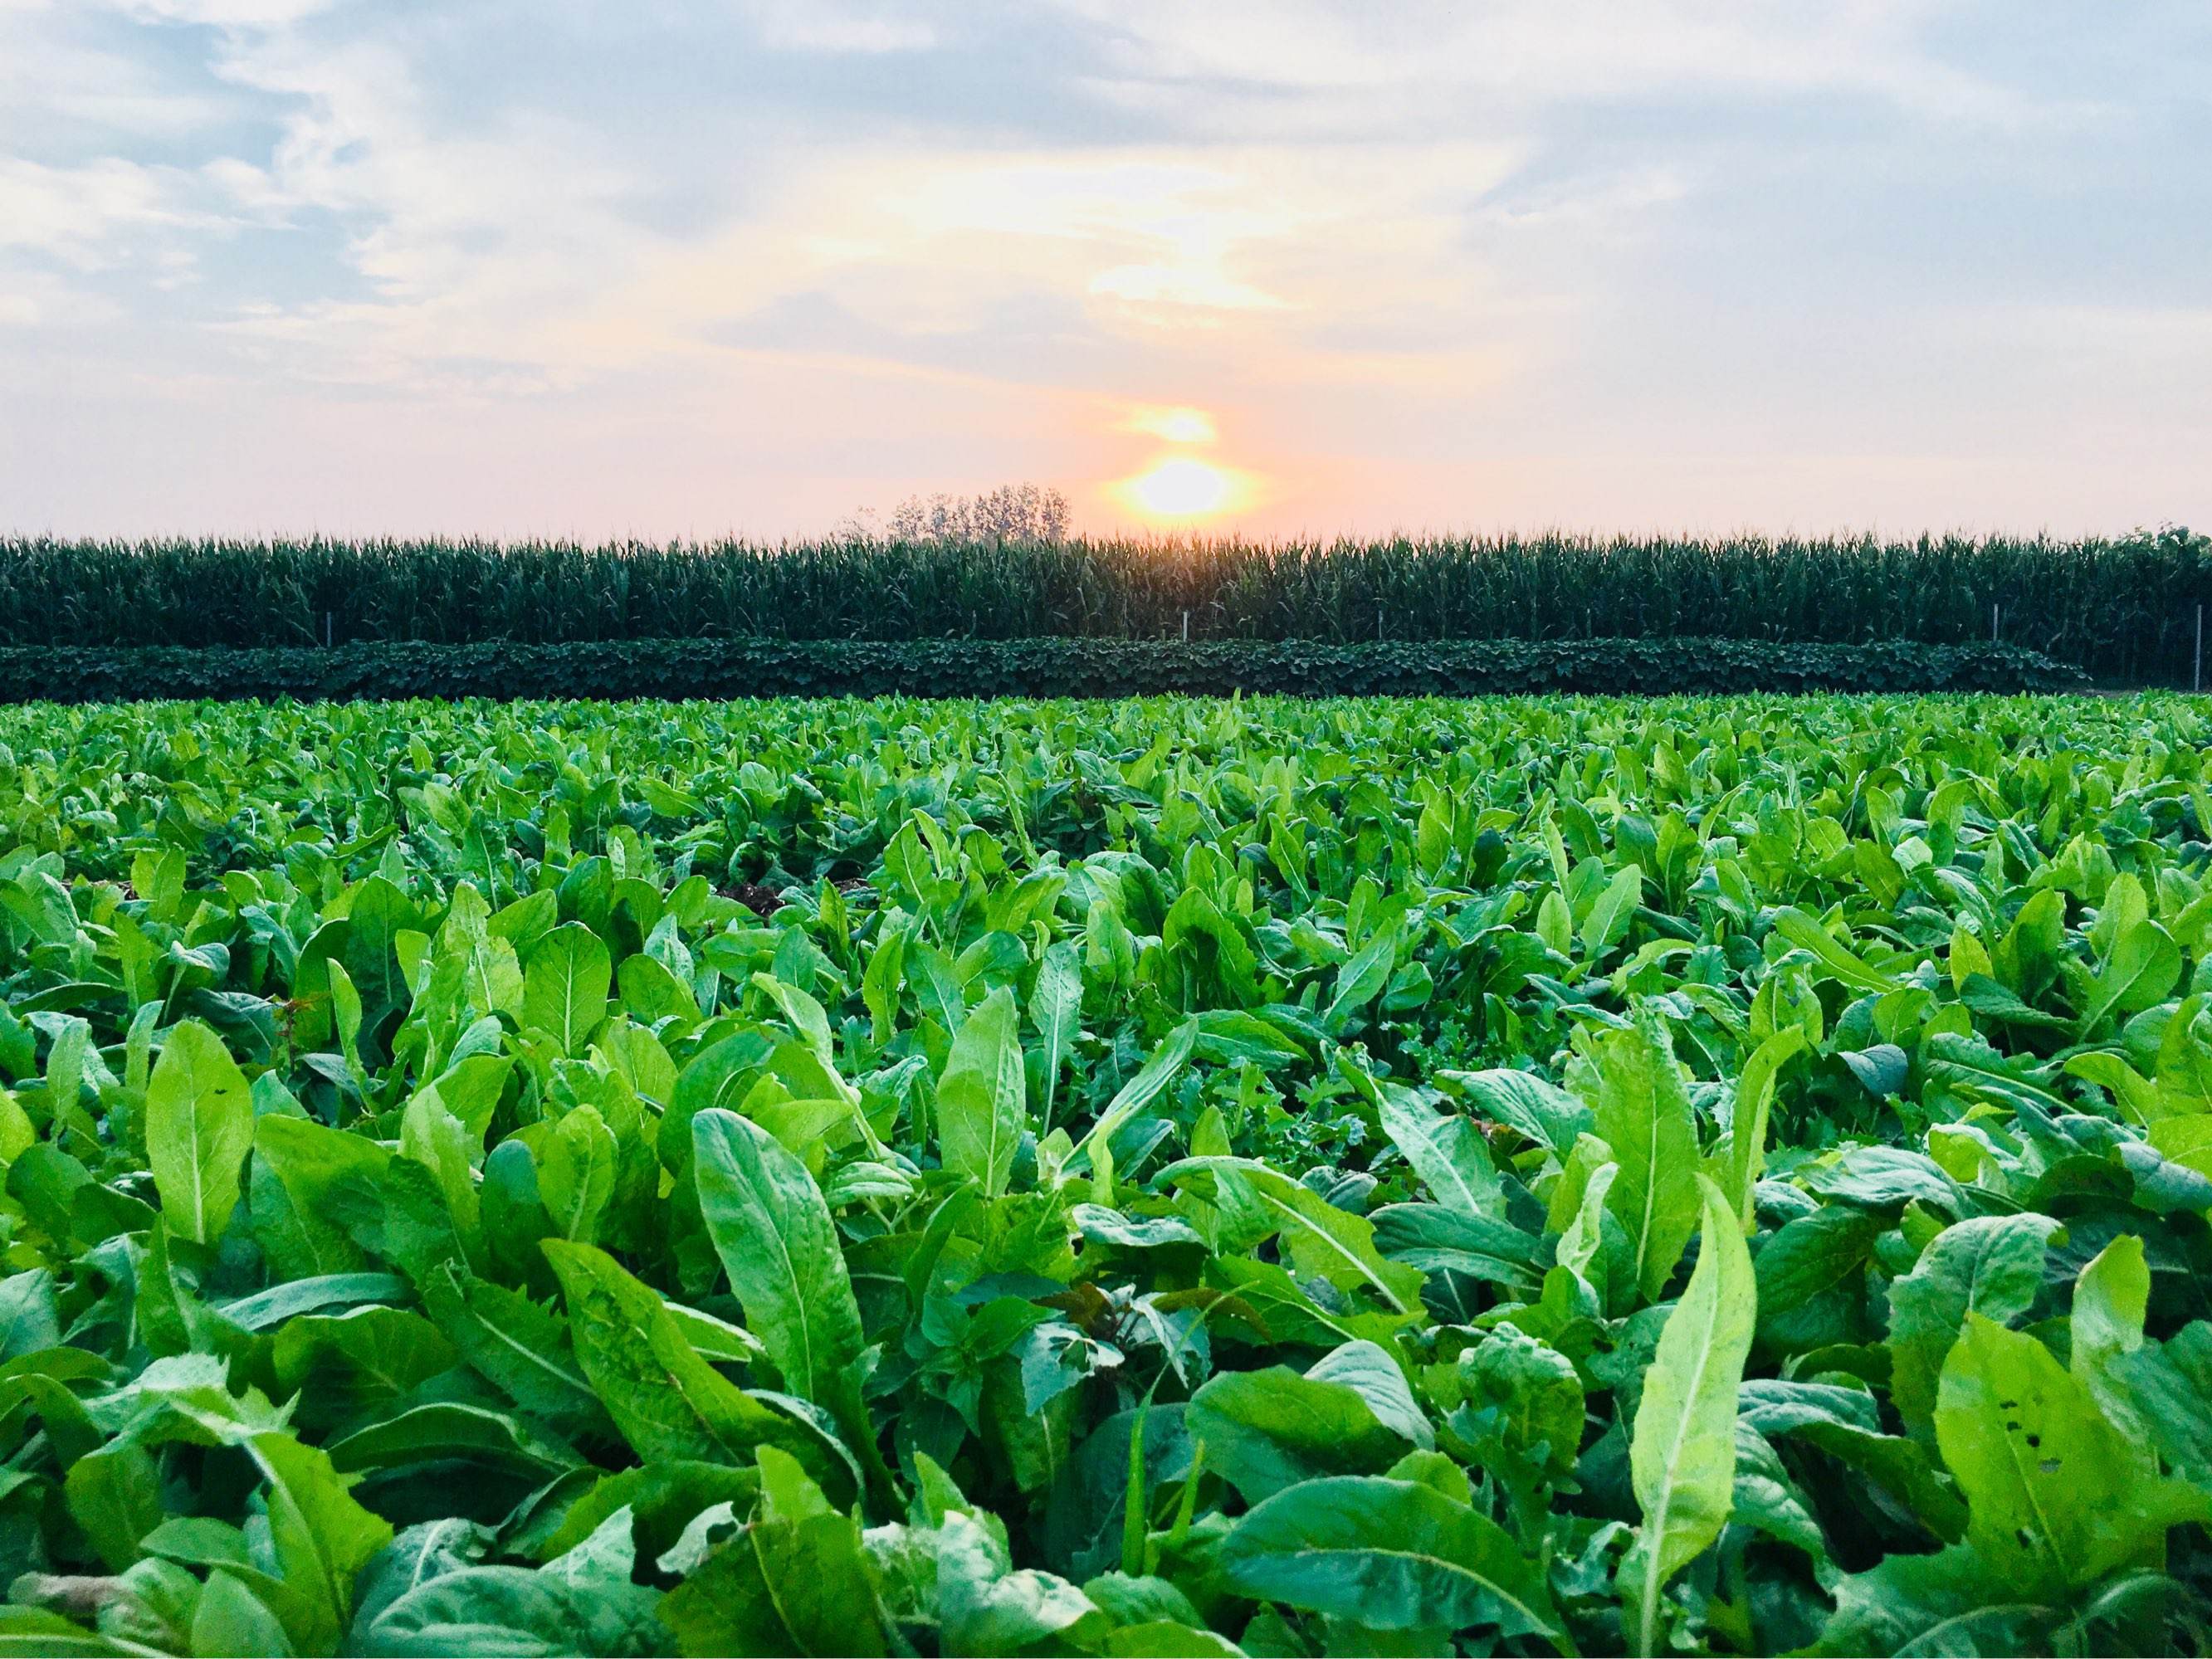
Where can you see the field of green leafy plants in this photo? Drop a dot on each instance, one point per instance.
(1141, 1178)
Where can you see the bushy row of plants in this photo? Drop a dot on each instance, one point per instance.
(2124, 608)
(1041, 667)
(1176, 1177)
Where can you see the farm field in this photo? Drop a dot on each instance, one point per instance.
(2125, 609)
(1148, 1177)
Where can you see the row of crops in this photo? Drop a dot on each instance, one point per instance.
(1164, 1177)
(2125, 609)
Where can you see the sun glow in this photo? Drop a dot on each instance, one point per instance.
(1179, 488)
(1176, 425)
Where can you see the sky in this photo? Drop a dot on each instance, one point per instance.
(1267, 267)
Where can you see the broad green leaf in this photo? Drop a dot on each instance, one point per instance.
(230, 1618)
(1265, 1430)
(115, 1495)
(1386, 1555)
(1542, 1111)
(980, 1100)
(1754, 1102)
(985, 1607)
(565, 981)
(2111, 1298)
(667, 1401)
(795, 1579)
(776, 1241)
(1161, 1067)
(1534, 1390)
(1609, 917)
(1836, 961)
(1324, 1241)
(35, 1633)
(1447, 1151)
(2056, 1498)
(199, 1127)
(1643, 1113)
(583, 1602)
(1361, 980)
(806, 1014)
(1991, 1265)
(358, 1362)
(2141, 969)
(1682, 1451)
(576, 1173)
(1056, 1008)
(1956, 1602)
(320, 1536)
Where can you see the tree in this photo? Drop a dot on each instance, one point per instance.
(1011, 513)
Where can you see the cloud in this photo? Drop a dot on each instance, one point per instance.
(821, 26)
(1533, 52)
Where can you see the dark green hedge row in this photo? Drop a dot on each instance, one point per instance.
(2123, 607)
(987, 668)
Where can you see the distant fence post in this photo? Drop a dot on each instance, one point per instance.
(1993, 622)
(329, 629)
(2197, 664)
(1186, 628)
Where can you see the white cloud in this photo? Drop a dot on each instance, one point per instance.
(824, 27)
(223, 14)
(1527, 52)
(83, 214)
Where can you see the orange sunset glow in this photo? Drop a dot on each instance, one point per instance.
(1181, 489)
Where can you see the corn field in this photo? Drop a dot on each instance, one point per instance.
(2125, 608)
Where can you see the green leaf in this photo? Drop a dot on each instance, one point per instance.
(1953, 1602)
(2111, 1298)
(1542, 1111)
(199, 1127)
(576, 1173)
(1387, 1555)
(1326, 1243)
(1991, 1265)
(448, 1432)
(1682, 1452)
(115, 1495)
(1361, 980)
(359, 1361)
(773, 1232)
(667, 1401)
(564, 986)
(321, 1538)
(1754, 1102)
(35, 1634)
(986, 1607)
(1836, 963)
(581, 1602)
(1161, 1067)
(1269, 1430)
(1056, 1008)
(981, 1103)
(1643, 1112)
(1447, 1151)
(2140, 971)
(520, 1347)
(230, 1618)
(796, 1576)
(2056, 1498)
(1607, 922)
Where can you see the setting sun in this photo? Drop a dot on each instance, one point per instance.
(1181, 488)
